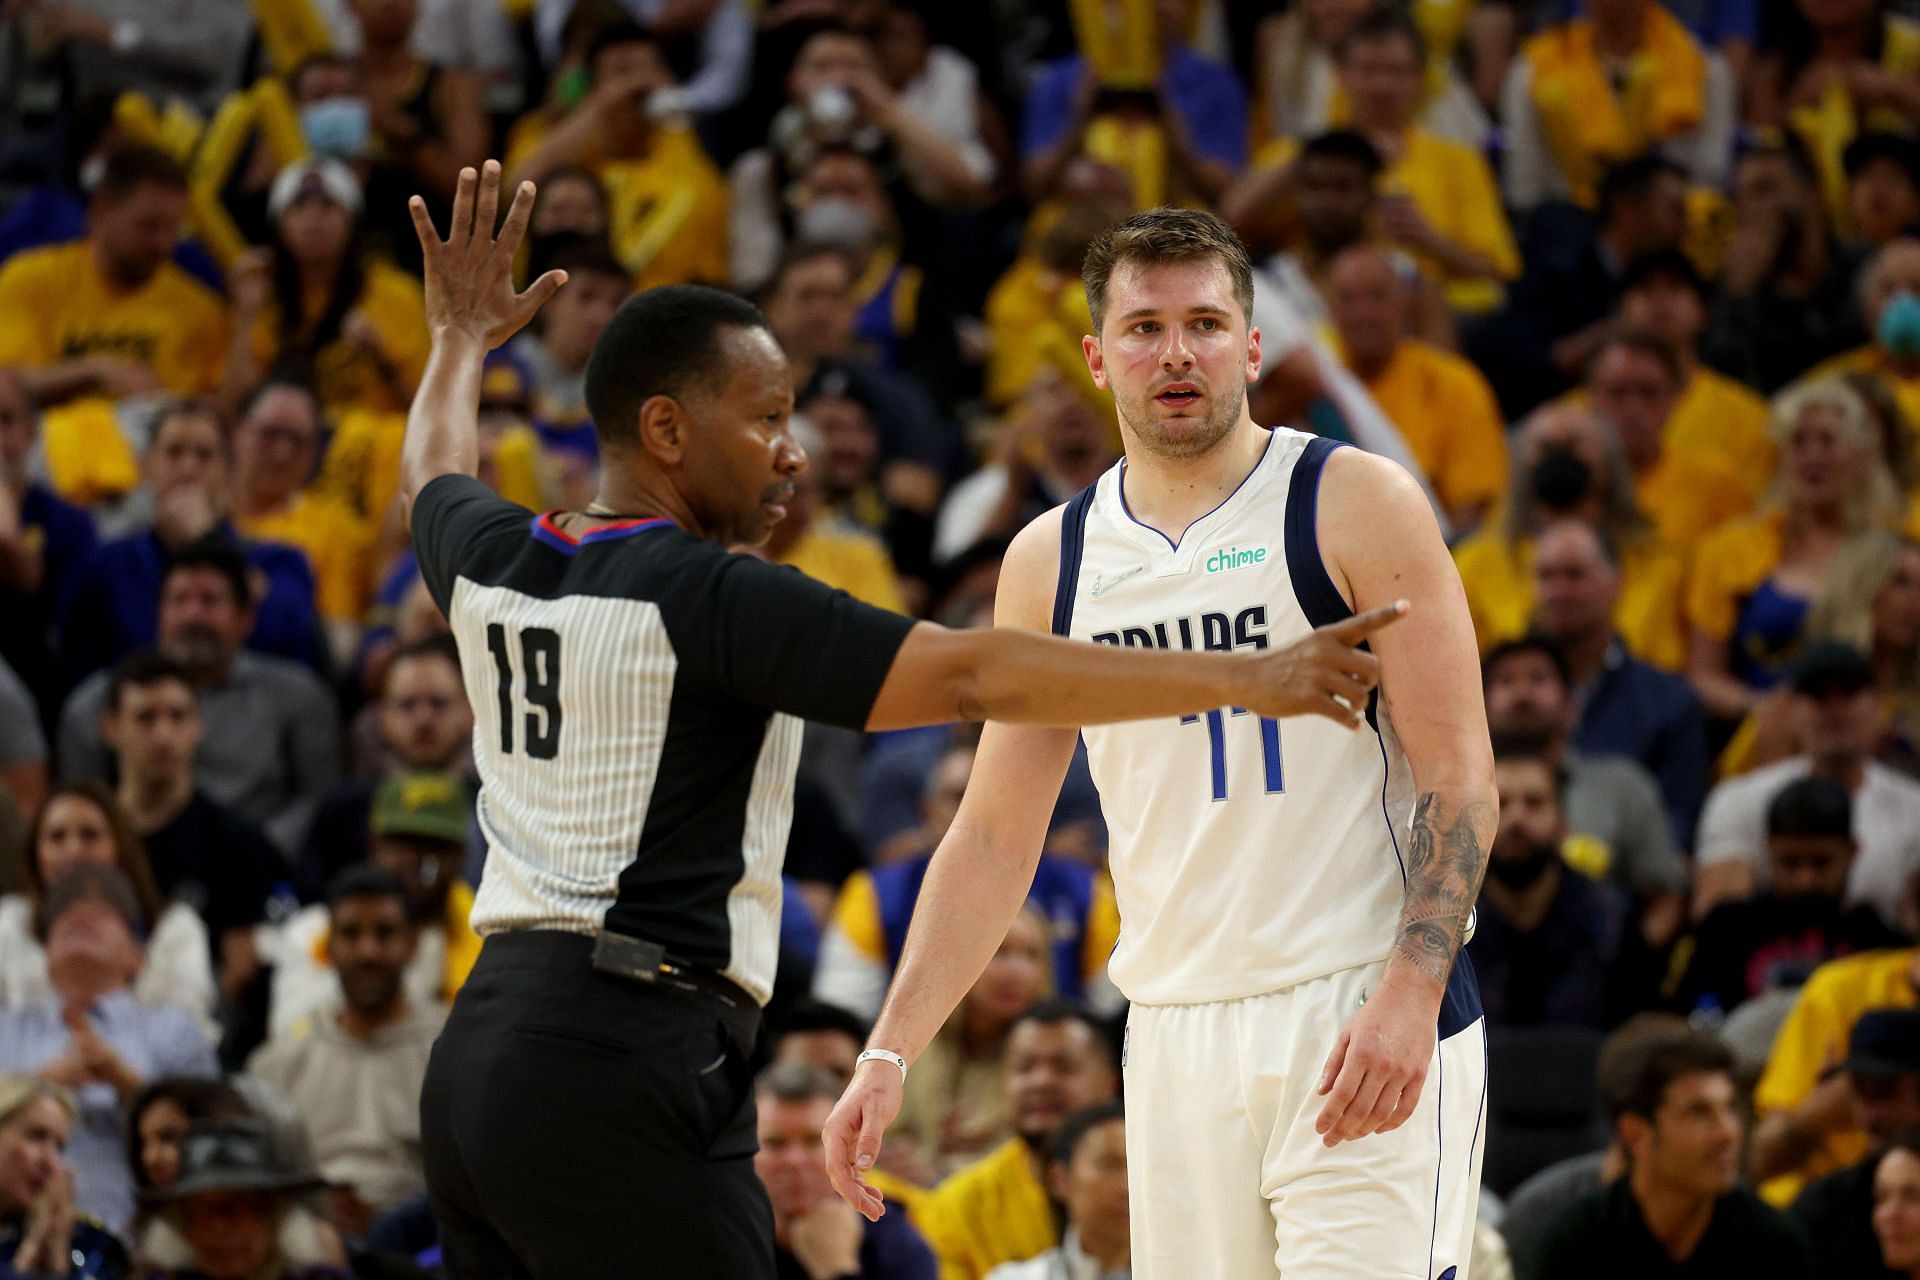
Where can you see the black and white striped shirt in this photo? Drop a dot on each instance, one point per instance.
(637, 694)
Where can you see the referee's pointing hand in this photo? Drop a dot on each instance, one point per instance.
(469, 275)
(1325, 673)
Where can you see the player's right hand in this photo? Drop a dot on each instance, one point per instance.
(1325, 674)
(852, 1135)
(469, 275)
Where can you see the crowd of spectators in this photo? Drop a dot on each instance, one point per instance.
(1632, 289)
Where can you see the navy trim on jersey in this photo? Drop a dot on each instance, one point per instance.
(1073, 542)
(1460, 1006)
(1319, 599)
(1120, 487)
(545, 530)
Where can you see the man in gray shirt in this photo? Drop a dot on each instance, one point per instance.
(271, 747)
(353, 1068)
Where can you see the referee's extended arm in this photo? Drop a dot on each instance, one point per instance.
(1023, 677)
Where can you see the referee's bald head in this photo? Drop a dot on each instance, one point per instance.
(678, 341)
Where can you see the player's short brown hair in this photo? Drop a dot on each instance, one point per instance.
(1158, 237)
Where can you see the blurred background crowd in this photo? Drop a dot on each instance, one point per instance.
(1632, 288)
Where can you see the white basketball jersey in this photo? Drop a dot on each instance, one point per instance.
(1248, 854)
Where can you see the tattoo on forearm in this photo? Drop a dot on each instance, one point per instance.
(1445, 860)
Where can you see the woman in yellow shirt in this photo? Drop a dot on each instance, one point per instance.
(1870, 600)
(311, 309)
(1754, 580)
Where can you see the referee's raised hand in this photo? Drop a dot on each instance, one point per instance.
(469, 275)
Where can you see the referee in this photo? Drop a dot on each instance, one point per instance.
(638, 692)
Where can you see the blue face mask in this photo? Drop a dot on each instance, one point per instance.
(1900, 325)
(337, 127)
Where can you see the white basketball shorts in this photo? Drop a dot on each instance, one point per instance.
(1229, 1180)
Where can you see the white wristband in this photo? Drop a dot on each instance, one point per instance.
(883, 1055)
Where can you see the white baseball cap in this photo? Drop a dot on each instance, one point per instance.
(316, 175)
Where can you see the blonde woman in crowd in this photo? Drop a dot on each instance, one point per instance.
(40, 1233)
(1870, 600)
(1753, 581)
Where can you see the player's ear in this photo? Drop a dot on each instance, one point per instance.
(663, 428)
(1096, 360)
(1253, 354)
(1632, 1131)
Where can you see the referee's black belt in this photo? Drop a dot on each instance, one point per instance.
(635, 960)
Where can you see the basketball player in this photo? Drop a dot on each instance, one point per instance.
(1305, 1062)
(637, 693)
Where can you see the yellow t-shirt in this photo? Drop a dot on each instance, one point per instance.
(1590, 121)
(851, 559)
(346, 376)
(1814, 1038)
(1017, 305)
(1729, 563)
(1449, 418)
(1498, 578)
(337, 543)
(362, 467)
(667, 209)
(1453, 187)
(1686, 496)
(55, 305)
(669, 214)
(1725, 423)
(993, 1211)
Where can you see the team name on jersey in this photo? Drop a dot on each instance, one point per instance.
(1246, 629)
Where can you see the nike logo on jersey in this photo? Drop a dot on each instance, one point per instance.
(1102, 585)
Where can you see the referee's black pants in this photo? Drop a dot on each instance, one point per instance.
(580, 1125)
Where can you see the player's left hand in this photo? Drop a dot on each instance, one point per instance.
(1373, 1078)
(853, 1132)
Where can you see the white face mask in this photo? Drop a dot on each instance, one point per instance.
(337, 127)
(840, 223)
(832, 111)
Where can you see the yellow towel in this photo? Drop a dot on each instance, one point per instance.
(1587, 124)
